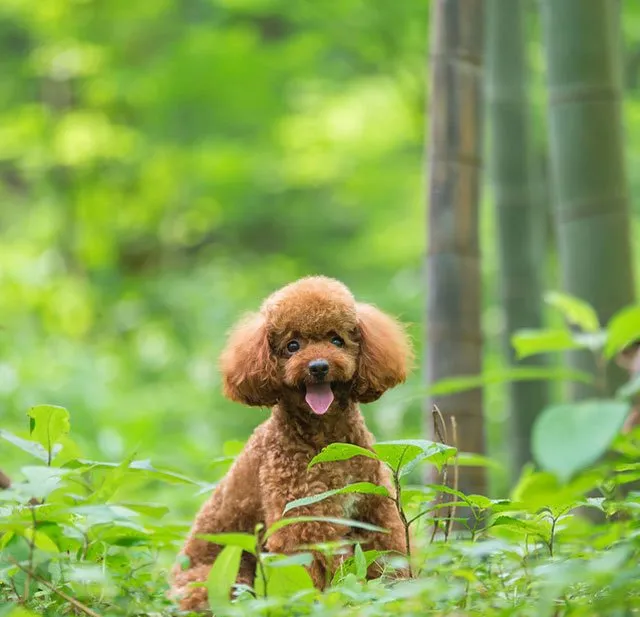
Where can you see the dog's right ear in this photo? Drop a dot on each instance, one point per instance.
(248, 366)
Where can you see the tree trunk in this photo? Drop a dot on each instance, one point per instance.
(587, 159)
(519, 217)
(453, 276)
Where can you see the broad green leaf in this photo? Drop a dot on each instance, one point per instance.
(480, 501)
(366, 488)
(275, 560)
(622, 329)
(568, 437)
(540, 489)
(471, 459)
(17, 548)
(20, 611)
(31, 447)
(148, 509)
(86, 573)
(469, 382)
(141, 466)
(223, 575)
(575, 311)
(284, 581)
(244, 540)
(401, 453)
(417, 493)
(347, 522)
(47, 425)
(40, 481)
(104, 513)
(531, 527)
(114, 479)
(41, 540)
(340, 452)
(532, 342)
(441, 488)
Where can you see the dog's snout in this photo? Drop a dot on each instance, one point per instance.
(319, 368)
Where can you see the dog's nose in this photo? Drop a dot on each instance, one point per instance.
(319, 368)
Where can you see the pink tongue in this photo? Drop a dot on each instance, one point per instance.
(319, 397)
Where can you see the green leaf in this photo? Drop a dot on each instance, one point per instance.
(471, 459)
(245, 541)
(540, 489)
(417, 493)
(400, 454)
(441, 488)
(340, 452)
(149, 509)
(30, 447)
(143, 466)
(532, 342)
(520, 525)
(20, 611)
(48, 424)
(366, 488)
(568, 437)
(41, 481)
(284, 581)
(347, 522)
(575, 311)
(622, 329)
(349, 566)
(454, 385)
(480, 501)
(113, 481)
(222, 576)
(41, 540)
(275, 560)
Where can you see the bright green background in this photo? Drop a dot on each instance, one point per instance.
(166, 164)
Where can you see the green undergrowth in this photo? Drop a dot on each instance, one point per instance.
(80, 537)
(70, 545)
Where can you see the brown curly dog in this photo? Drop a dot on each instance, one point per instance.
(312, 353)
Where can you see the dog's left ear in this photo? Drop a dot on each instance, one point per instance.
(385, 353)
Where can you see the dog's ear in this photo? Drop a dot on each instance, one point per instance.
(248, 366)
(385, 354)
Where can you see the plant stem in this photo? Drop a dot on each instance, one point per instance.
(553, 533)
(259, 561)
(76, 603)
(403, 518)
(32, 544)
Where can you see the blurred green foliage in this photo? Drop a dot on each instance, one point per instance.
(164, 165)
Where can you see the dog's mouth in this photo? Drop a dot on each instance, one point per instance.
(319, 397)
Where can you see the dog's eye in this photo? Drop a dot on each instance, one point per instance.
(293, 346)
(337, 341)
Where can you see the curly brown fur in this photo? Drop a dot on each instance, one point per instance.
(364, 353)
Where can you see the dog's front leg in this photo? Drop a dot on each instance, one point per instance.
(295, 537)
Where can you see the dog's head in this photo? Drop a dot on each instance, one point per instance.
(312, 339)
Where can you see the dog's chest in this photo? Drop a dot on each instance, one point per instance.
(349, 473)
(351, 503)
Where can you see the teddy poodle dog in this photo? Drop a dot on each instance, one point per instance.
(312, 354)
